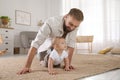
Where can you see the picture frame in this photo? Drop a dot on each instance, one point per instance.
(22, 17)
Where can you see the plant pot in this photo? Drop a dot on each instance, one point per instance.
(4, 21)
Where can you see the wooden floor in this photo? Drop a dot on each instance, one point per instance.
(111, 75)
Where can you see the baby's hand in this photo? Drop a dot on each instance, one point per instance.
(53, 72)
(71, 67)
(67, 69)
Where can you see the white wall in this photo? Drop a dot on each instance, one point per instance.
(39, 9)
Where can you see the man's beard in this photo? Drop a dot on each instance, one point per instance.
(65, 28)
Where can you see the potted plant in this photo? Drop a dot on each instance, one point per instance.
(5, 20)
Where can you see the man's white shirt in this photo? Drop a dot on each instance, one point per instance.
(53, 27)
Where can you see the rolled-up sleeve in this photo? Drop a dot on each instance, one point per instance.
(43, 33)
(71, 38)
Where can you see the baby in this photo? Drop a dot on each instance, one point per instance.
(56, 56)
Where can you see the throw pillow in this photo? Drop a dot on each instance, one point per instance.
(106, 50)
(115, 51)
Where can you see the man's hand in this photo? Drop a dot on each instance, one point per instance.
(71, 50)
(31, 54)
(24, 70)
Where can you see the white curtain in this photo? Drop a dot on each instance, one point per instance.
(102, 19)
(112, 22)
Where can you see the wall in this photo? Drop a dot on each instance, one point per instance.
(39, 9)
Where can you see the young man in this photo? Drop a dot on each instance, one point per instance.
(65, 26)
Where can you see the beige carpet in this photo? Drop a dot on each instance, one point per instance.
(86, 65)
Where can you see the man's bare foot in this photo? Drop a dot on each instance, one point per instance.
(42, 63)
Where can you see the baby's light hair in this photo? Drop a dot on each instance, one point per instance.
(56, 40)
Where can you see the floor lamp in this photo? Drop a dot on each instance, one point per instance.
(2, 51)
(1, 41)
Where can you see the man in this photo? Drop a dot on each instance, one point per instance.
(65, 26)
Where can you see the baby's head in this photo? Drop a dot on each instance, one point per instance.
(59, 43)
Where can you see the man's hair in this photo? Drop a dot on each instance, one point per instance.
(77, 14)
